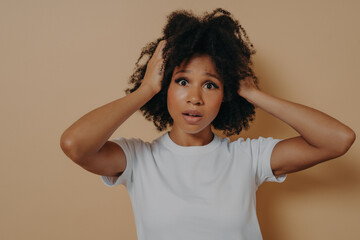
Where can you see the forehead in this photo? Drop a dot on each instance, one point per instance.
(202, 64)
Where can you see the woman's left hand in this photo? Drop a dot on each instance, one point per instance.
(247, 86)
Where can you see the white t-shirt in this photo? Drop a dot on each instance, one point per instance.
(197, 192)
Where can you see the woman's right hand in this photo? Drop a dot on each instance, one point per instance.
(153, 75)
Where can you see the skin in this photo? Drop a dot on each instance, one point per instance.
(86, 141)
(199, 88)
(322, 137)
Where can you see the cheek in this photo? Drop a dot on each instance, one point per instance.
(172, 100)
(170, 96)
(214, 103)
(175, 95)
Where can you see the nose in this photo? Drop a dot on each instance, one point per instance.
(194, 96)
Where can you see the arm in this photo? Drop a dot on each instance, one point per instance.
(86, 141)
(87, 135)
(321, 137)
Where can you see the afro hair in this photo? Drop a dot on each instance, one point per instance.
(218, 35)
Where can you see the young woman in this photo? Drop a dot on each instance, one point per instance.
(190, 183)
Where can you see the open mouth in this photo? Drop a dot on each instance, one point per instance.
(192, 118)
(192, 115)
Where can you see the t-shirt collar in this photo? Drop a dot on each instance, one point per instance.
(170, 144)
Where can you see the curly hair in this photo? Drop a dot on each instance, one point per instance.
(218, 35)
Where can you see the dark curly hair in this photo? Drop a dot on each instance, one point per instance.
(218, 35)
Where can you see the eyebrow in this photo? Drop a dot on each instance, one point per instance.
(209, 74)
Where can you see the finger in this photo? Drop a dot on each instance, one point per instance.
(161, 53)
(162, 67)
(161, 44)
(157, 49)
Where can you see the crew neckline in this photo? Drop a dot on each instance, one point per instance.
(170, 144)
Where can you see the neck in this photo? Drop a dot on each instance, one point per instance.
(191, 139)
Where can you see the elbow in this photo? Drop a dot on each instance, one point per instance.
(68, 146)
(350, 140)
(345, 142)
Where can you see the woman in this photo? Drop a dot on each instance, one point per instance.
(190, 183)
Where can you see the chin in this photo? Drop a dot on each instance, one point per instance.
(194, 129)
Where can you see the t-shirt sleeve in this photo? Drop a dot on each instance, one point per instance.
(261, 149)
(128, 146)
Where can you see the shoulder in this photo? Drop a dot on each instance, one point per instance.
(131, 140)
(132, 143)
(255, 141)
(252, 145)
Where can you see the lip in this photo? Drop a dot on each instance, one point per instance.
(191, 119)
(193, 112)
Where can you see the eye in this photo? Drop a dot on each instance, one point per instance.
(209, 85)
(181, 81)
(212, 85)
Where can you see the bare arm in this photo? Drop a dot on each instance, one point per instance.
(88, 134)
(86, 140)
(322, 137)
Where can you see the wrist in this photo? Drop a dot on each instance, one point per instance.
(147, 90)
(251, 95)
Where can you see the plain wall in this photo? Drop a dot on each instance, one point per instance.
(62, 59)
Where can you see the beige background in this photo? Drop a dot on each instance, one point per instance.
(61, 59)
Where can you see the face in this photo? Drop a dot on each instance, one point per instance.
(195, 95)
